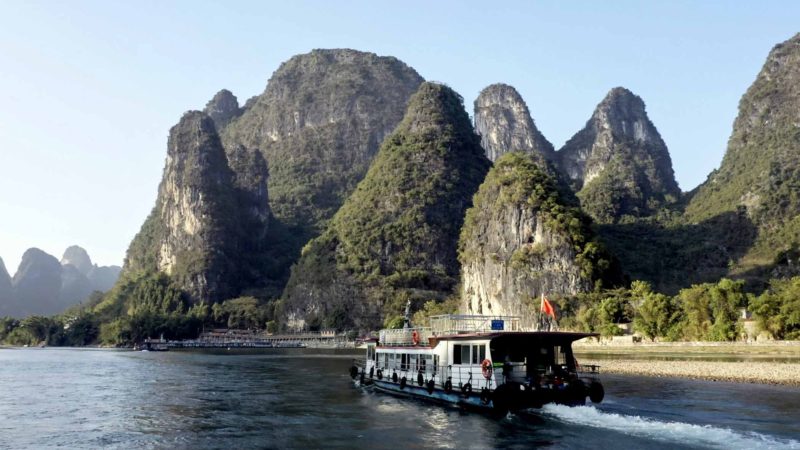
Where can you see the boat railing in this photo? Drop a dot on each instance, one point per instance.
(588, 369)
(405, 336)
(450, 324)
(472, 374)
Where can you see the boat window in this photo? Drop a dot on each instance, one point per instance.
(416, 362)
(403, 362)
(478, 353)
(465, 354)
(423, 363)
(457, 354)
(561, 358)
(435, 362)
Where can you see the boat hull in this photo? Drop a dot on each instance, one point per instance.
(477, 401)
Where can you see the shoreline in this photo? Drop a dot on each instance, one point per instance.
(776, 363)
(784, 374)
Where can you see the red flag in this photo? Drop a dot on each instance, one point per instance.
(547, 307)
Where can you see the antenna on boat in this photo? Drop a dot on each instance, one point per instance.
(407, 317)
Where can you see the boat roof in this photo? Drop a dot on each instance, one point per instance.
(549, 335)
(464, 327)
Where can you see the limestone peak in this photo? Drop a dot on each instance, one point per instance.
(223, 108)
(503, 121)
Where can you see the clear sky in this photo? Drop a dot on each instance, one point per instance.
(89, 90)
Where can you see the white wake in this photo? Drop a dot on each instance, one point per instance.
(679, 432)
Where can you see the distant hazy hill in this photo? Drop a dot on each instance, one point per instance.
(43, 286)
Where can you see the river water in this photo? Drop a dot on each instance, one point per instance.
(71, 398)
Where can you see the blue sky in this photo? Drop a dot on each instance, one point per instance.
(89, 90)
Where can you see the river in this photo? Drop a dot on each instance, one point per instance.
(88, 398)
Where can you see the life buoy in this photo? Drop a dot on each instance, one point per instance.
(415, 337)
(431, 385)
(380, 374)
(486, 368)
(448, 386)
(466, 389)
(420, 379)
(394, 377)
(403, 383)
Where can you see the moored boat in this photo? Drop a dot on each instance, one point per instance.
(488, 363)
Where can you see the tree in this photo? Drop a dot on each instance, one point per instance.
(777, 310)
(657, 316)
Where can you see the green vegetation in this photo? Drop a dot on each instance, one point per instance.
(761, 168)
(518, 181)
(777, 310)
(319, 125)
(702, 312)
(395, 237)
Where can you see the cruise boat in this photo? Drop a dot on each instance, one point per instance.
(487, 363)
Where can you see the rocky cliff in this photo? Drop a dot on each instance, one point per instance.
(319, 124)
(504, 123)
(195, 232)
(395, 237)
(618, 164)
(522, 238)
(223, 108)
(761, 166)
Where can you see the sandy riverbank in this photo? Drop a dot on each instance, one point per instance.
(742, 372)
(769, 363)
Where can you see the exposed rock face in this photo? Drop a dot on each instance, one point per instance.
(319, 124)
(618, 163)
(194, 233)
(761, 166)
(250, 178)
(395, 237)
(223, 108)
(37, 284)
(505, 125)
(521, 239)
(78, 257)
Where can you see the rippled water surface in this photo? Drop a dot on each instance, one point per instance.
(120, 399)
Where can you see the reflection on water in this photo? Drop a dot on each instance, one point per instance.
(113, 399)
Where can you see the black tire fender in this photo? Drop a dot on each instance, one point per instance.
(596, 392)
